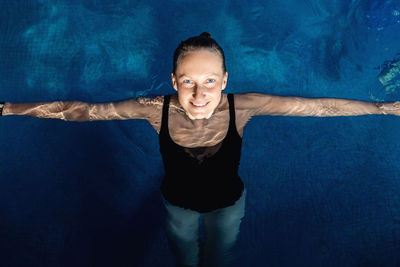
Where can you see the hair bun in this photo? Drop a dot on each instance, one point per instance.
(205, 34)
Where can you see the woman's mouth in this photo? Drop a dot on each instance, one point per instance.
(199, 105)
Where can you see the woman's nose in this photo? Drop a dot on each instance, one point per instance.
(198, 92)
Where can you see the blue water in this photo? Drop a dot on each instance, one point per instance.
(321, 191)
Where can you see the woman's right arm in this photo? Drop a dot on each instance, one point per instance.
(134, 108)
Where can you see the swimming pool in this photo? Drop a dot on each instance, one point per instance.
(321, 191)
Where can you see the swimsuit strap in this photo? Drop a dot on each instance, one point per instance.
(232, 119)
(164, 122)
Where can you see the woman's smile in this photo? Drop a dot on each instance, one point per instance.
(199, 105)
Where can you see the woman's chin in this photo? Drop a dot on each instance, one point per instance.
(196, 117)
(198, 113)
(199, 116)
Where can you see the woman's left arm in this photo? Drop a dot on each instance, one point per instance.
(263, 104)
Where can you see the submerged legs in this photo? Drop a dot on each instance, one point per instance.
(182, 229)
(221, 230)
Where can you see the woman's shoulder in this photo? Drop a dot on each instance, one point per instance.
(155, 101)
(243, 100)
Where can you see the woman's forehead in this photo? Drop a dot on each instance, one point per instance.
(200, 62)
(201, 53)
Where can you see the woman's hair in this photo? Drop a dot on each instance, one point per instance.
(203, 41)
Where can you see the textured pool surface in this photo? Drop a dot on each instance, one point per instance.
(321, 191)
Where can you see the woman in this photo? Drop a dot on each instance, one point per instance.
(200, 134)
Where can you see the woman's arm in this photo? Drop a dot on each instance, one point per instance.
(135, 108)
(262, 104)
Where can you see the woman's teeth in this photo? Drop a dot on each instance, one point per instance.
(199, 105)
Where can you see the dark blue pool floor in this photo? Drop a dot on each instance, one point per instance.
(321, 191)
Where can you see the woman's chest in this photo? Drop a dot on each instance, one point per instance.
(206, 133)
(200, 133)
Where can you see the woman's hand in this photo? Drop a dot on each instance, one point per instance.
(389, 108)
(1, 108)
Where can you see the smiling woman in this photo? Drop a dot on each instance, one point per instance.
(199, 79)
(199, 75)
(200, 134)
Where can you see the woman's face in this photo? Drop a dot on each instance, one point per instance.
(199, 81)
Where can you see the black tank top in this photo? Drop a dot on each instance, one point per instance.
(205, 185)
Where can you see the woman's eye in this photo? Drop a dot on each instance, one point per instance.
(186, 81)
(210, 80)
